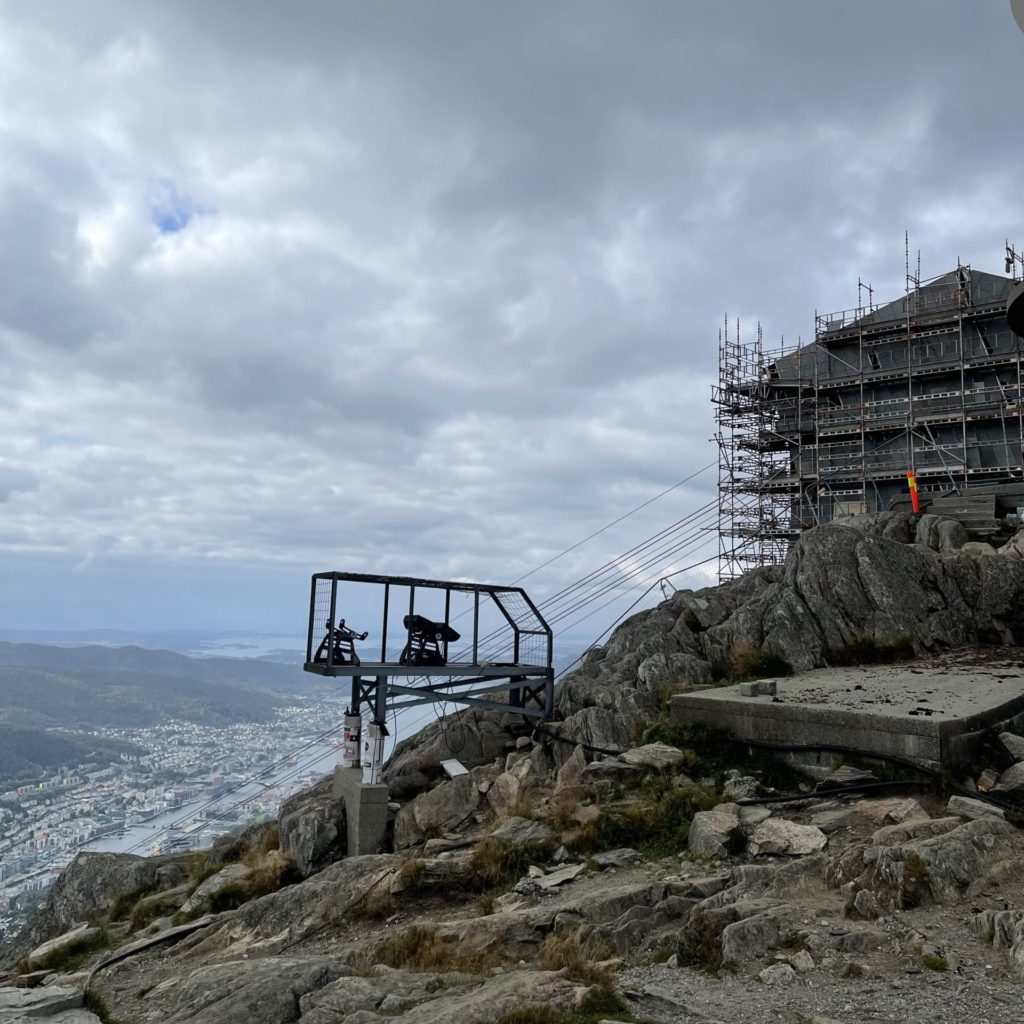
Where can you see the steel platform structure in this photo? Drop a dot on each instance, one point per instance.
(513, 658)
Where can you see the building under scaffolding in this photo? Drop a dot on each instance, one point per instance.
(929, 384)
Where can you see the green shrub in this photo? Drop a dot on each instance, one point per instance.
(934, 963)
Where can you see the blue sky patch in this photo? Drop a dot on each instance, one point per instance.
(170, 210)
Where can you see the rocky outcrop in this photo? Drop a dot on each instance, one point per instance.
(849, 591)
(474, 737)
(88, 889)
(938, 861)
(312, 827)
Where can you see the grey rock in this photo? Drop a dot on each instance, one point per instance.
(570, 774)
(778, 974)
(654, 755)
(739, 787)
(611, 769)
(81, 933)
(616, 858)
(523, 830)
(445, 807)
(312, 827)
(1012, 780)
(478, 736)
(711, 831)
(560, 876)
(38, 1002)
(929, 862)
(1014, 744)
(780, 837)
(88, 888)
(199, 901)
(965, 807)
(978, 549)
(263, 991)
(751, 815)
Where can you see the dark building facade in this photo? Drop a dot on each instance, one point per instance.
(929, 384)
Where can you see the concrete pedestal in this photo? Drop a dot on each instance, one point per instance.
(366, 808)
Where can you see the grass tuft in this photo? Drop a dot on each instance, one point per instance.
(498, 864)
(422, 949)
(95, 1004)
(70, 957)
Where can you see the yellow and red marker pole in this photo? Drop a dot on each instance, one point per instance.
(915, 501)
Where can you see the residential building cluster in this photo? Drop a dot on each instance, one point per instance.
(193, 783)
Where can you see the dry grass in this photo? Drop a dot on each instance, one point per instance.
(748, 662)
(421, 949)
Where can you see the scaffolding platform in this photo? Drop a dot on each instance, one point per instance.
(930, 384)
(507, 649)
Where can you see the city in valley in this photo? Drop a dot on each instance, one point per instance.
(191, 783)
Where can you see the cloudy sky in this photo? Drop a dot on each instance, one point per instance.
(434, 288)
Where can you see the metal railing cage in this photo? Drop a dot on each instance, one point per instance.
(415, 655)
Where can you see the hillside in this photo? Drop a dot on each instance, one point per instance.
(26, 754)
(248, 673)
(621, 863)
(95, 687)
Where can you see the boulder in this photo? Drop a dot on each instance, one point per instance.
(475, 737)
(739, 787)
(31, 1004)
(523, 830)
(82, 936)
(930, 862)
(312, 827)
(654, 755)
(617, 858)
(441, 809)
(1014, 547)
(199, 902)
(1012, 780)
(978, 549)
(965, 807)
(569, 776)
(781, 837)
(778, 974)
(1014, 744)
(712, 832)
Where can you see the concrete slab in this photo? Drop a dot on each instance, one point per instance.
(931, 710)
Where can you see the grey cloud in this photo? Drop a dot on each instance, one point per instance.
(14, 480)
(450, 297)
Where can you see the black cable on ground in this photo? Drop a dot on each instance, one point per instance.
(825, 794)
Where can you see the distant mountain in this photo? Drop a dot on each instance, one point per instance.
(97, 687)
(28, 754)
(251, 673)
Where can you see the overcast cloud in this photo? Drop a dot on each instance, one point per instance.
(434, 288)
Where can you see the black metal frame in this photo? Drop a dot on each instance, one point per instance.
(529, 686)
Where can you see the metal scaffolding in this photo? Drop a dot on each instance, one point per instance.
(928, 384)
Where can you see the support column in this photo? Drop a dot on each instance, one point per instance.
(366, 810)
